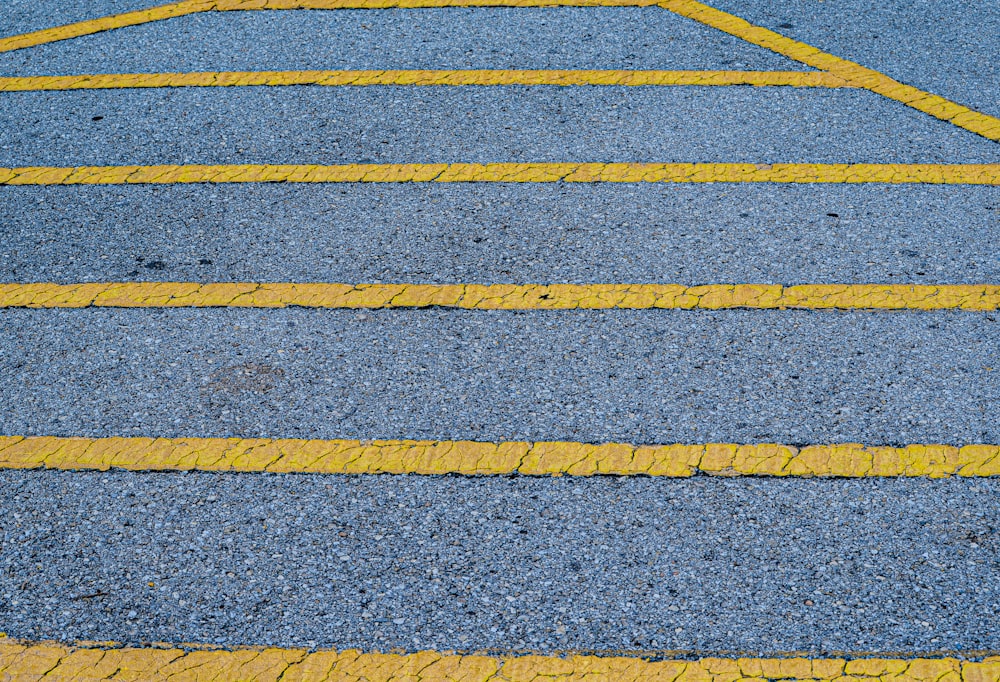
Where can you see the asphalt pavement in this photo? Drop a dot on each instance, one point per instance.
(709, 565)
(607, 564)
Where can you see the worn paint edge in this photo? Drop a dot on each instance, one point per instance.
(475, 458)
(54, 661)
(890, 173)
(480, 77)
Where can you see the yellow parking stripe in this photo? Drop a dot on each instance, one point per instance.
(811, 79)
(52, 661)
(891, 173)
(290, 455)
(502, 296)
(855, 74)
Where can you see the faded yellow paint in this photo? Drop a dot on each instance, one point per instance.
(47, 661)
(983, 297)
(812, 79)
(289, 455)
(855, 74)
(890, 173)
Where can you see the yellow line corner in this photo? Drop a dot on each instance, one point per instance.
(855, 74)
(851, 72)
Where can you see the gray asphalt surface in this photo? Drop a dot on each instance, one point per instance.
(435, 124)
(948, 47)
(758, 566)
(692, 234)
(634, 376)
(706, 565)
(452, 38)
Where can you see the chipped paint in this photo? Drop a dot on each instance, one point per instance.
(474, 458)
(890, 173)
(502, 296)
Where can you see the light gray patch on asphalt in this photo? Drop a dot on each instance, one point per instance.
(688, 234)
(23, 16)
(480, 124)
(376, 562)
(653, 376)
(448, 38)
(948, 47)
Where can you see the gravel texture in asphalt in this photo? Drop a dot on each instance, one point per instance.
(380, 562)
(385, 124)
(689, 234)
(636, 376)
(451, 38)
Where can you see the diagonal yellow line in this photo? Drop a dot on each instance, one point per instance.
(474, 458)
(502, 296)
(177, 9)
(892, 173)
(563, 77)
(83, 28)
(855, 74)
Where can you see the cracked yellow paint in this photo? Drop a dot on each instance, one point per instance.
(50, 661)
(890, 173)
(814, 79)
(502, 296)
(474, 458)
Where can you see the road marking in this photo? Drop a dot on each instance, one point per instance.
(810, 79)
(853, 73)
(177, 9)
(53, 661)
(91, 26)
(890, 173)
(472, 458)
(983, 297)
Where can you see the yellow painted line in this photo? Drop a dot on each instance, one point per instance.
(855, 74)
(177, 9)
(290, 455)
(83, 28)
(53, 661)
(891, 173)
(502, 296)
(812, 79)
